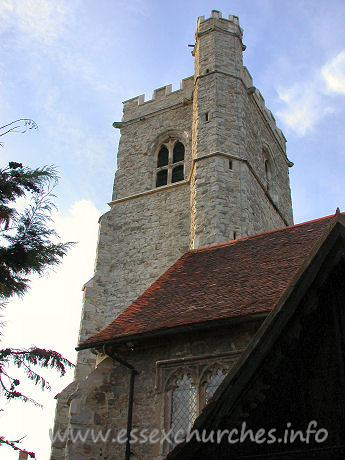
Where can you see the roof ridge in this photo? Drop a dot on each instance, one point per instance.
(226, 243)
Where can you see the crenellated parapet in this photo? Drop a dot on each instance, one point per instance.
(162, 98)
(230, 24)
(260, 102)
(246, 77)
(227, 65)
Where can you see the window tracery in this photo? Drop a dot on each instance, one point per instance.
(215, 380)
(186, 387)
(183, 404)
(210, 381)
(170, 162)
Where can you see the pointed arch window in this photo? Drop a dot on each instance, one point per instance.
(163, 157)
(178, 152)
(183, 404)
(214, 382)
(170, 162)
(186, 388)
(189, 392)
(209, 382)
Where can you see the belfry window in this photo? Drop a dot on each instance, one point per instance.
(177, 174)
(178, 152)
(170, 162)
(162, 178)
(163, 157)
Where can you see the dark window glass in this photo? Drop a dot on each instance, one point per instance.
(163, 157)
(162, 178)
(177, 174)
(268, 174)
(178, 154)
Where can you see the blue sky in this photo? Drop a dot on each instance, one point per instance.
(69, 65)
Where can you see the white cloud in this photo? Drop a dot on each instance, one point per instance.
(48, 316)
(305, 103)
(304, 107)
(334, 73)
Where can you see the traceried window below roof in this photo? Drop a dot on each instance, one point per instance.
(184, 387)
(188, 390)
(170, 162)
(214, 383)
(183, 405)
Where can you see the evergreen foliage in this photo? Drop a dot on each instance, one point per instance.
(26, 240)
(28, 245)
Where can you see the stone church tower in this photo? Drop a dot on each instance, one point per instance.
(200, 165)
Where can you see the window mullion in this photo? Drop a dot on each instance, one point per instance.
(170, 162)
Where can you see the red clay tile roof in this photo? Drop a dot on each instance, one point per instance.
(239, 278)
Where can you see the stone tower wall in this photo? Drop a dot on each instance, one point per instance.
(262, 135)
(231, 130)
(147, 228)
(135, 247)
(216, 130)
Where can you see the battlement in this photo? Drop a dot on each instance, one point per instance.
(268, 116)
(231, 23)
(162, 98)
(260, 101)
